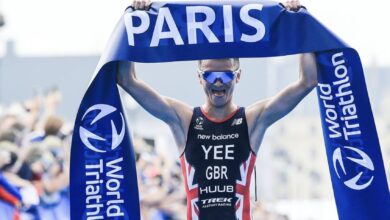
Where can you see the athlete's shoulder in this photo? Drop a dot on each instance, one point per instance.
(254, 110)
(182, 109)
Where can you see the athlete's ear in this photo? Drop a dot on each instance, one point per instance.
(238, 77)
(200, 78)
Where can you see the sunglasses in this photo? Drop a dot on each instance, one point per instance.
(224, 76)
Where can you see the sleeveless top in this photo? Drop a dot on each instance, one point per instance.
(217, 164)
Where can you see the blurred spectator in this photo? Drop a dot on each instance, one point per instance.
(10, 198)
(53, 125)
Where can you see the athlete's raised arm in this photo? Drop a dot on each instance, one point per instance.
(266, 112)
(278, 106)
(173, 112)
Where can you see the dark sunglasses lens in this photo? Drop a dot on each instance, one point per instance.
(226, 77)
(211, 77)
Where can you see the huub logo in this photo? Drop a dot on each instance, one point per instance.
(86, 135)
(364, 161)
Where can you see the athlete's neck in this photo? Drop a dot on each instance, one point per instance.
(219, 112)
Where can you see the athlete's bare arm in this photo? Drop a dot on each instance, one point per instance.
(264, 113)
(173, 112)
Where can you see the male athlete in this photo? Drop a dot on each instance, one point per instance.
(219, 140)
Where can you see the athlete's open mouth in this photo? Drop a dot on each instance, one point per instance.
(219, 92)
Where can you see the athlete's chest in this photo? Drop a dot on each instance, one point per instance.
(217, 144)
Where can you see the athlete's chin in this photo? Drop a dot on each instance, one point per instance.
(219, 102)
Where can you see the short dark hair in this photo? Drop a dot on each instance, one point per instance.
(236, 63)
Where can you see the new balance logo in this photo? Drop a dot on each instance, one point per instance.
(237, 121)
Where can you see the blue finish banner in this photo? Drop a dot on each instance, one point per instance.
(103, 175)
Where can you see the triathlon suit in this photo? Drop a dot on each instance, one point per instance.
(217, 164)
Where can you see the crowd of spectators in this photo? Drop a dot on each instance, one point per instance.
(34, 167)
(34, 160)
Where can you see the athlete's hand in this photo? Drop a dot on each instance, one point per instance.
(141, 4)
(292, 5)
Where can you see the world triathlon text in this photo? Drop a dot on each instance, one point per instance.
(341, 115)
(104, 178)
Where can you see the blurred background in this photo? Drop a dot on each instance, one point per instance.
(48, 52)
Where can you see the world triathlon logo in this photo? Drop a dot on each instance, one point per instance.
(361, 162)
(199, 123)
(91, 126)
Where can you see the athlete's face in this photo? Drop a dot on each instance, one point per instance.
(219, 93)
